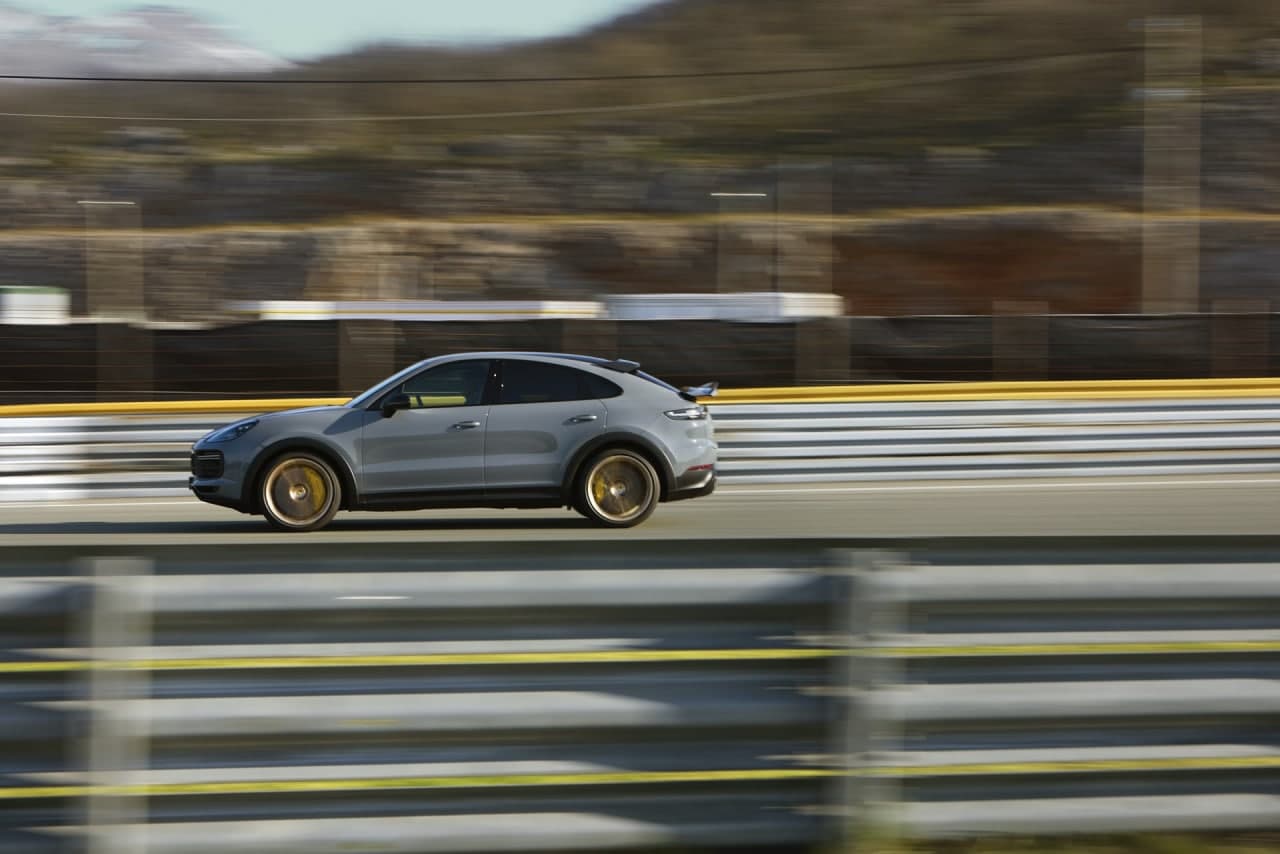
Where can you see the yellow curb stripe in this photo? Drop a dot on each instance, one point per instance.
(943, 396)
(976, 391)
(1249, 387)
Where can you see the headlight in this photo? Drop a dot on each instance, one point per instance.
(691, 413)
(231, 431)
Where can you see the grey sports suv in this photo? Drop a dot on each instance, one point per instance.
(471, 430)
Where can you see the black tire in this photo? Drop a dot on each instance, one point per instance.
(618, 488)
(299, 492)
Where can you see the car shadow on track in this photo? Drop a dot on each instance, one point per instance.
(253, 527)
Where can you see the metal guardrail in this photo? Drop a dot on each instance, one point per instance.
(1067, 696)
(750, 695)
(77, 456)
(465, 703)
(1000, 438)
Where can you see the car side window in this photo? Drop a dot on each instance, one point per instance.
(537, 382)
(599, 387)
(454, 384)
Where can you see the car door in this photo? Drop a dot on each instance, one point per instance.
(542, 414)
(437, 444)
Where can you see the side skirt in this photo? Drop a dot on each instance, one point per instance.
(461, 499)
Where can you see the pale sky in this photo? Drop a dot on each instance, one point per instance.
(301, 29)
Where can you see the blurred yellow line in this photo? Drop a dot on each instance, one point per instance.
(634, 656)
(1118, 648)
(897, 392)
(621, 656)
(1068, 766)
(233, 787)
(469, 782)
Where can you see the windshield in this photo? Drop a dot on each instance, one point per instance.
(366, 397)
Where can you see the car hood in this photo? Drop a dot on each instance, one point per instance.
(284, 413)
(311, 415)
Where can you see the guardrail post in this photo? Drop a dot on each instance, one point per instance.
(116, 745)
(867, 735)
(805, 253)
(1171, 163)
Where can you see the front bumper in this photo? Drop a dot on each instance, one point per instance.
(217, 491)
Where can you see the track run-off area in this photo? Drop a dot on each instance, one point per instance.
(1174, 505)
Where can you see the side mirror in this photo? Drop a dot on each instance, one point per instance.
(394, 403)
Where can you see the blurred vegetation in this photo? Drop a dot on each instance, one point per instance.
(915, 73)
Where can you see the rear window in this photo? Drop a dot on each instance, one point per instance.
(651, 378)
(598, 387)
(637, 373)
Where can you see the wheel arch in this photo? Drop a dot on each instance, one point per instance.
(632, 441)
(339, 462)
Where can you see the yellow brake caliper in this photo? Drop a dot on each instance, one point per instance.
(315, 488)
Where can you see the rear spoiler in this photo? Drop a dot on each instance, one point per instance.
(705, 390)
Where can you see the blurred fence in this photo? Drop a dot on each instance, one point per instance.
(85, 362)
(79, 456)
(561, 696)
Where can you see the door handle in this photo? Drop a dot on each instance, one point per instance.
(465, 425)
(582, 419)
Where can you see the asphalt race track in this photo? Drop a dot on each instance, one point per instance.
(1246, 504)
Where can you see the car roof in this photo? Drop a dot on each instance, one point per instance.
(616, 368)
(529, 354)
(614, 365)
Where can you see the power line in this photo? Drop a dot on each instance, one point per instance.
(729, 100)
(585, 78)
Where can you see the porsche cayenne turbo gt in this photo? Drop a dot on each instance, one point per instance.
(471, 430)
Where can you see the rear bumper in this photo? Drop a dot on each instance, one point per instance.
(693, 484)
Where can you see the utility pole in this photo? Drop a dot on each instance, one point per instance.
(113, 260)
(1171, 165)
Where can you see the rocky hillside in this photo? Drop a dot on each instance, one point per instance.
(919, 157)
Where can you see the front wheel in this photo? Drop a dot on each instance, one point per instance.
(618, 489)
(300, 492)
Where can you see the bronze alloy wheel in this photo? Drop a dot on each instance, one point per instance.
(620, 489)
(300, 493)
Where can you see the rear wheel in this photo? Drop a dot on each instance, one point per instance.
(300, 492)
(618, 489)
